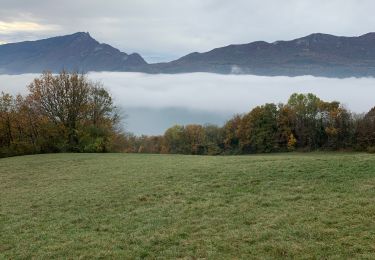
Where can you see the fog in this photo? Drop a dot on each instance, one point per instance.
(153, 103)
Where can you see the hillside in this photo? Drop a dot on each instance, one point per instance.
(316, 54)
(127, 206)
(78, 51)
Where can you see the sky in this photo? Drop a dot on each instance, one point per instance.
(152, 103)
(162, 30)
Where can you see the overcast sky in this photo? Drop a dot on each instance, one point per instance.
(166, 29)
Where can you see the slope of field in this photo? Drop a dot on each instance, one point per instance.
(318, 205)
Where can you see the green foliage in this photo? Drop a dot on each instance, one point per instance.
(231, 138)
(213, 140)
(257, 131)
(175, 140)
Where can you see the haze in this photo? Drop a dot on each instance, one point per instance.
(153, 103)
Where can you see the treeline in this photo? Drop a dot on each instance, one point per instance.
(61, 113)
(69, 113)
(305, 123)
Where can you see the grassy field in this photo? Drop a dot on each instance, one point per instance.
(319, 205)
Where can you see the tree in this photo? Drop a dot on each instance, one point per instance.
(231, 140)
(258, 130)
(214, 139)
(79, 114)
(175, 140)
(195, 139)
(18, 133)
(308, 127)
(365, 131)
(67, 112)
(63, 99)
(101, 106)
(337, 124)
(6, 107)
(286, 121)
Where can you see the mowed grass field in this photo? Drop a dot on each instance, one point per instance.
(304, 206)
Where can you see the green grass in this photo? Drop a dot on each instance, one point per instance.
(319, 205)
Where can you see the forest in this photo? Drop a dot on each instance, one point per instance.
(69, 113)
(305, 123)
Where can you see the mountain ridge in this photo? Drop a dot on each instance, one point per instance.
(78, 51)
(317, 54)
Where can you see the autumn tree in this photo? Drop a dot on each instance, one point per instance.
(82, 112)
(214, 139)
(308, 127)
(286, 121)
(258, 129)
(64, 100)
(365, 131)
(338, 126)
(231, 140)
(6, 107)
(195, 139)
(67, 112)
(175, 140)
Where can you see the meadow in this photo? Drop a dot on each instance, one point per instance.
(133, 206)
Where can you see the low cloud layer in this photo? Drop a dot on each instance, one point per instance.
(230, 93)
(155, 102)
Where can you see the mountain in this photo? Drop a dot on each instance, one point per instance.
(78, 51)
(317, 54)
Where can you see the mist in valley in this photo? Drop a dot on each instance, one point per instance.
(152, 103)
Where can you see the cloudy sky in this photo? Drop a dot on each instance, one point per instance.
(161, 30)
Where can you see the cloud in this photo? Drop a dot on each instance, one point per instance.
(11, 31)
(230, 93)
(166, 29)
(155, 102)
(12, 27)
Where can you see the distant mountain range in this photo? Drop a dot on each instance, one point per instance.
(78, 51)
(316, 54)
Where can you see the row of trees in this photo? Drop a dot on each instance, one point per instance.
(61, 113)
(305, 123)
(68, 113)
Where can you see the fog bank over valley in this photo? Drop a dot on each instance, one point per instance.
(152, 103)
